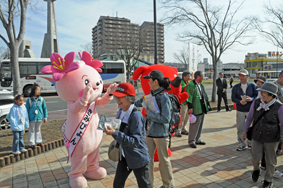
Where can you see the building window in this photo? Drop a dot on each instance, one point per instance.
(260, 64)
(255, 64)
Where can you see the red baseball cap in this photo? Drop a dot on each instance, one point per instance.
(124, 89)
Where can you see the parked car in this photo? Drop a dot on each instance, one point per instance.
(271, 80)
(6, 103)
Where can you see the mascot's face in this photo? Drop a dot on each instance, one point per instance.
(70, 88)
(169, 72)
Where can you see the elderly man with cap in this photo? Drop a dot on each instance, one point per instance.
(131, 138)
(266, 115)
(243, 94)
(259, 81)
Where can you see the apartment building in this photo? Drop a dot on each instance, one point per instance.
(119, 33)
(112, 33)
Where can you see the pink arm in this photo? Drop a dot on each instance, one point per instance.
(104, 100)
(75, 107)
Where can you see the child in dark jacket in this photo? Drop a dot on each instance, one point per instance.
(18, 120)
(37, 112)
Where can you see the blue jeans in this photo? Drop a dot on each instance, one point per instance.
(122, 173)
(18, 141)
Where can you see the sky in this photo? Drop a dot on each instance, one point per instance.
(75, 20)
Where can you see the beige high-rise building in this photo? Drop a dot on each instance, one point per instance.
(148, 29)
(112, 33)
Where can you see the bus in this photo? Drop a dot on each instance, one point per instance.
(30, 73)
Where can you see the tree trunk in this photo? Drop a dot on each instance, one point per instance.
(15, 69)
(213, 96)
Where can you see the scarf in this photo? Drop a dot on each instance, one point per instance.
(264, 105)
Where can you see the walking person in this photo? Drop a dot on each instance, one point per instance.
(37, 112)
(266, 114)
(131, 138)
(18, 120)
(158, 127)
(243, 94)
(183, 130)
(198, 105)
(231, 79)
(221, 92)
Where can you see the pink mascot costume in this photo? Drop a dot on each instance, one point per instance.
(80, 84)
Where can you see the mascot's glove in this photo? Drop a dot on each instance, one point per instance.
(86, 95)
(111, 89)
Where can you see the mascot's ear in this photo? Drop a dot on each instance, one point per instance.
(138, 72)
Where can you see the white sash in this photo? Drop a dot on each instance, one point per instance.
(72, 143)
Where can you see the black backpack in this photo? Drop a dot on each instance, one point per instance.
(175, 112)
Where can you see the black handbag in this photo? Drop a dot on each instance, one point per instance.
(250, 129)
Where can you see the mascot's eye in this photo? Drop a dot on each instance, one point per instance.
(100, 81)
(86, 81)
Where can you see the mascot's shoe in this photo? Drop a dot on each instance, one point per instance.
(78, 181)
(96, 174)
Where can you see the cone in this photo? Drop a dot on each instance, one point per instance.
(234, 106)
(156, 155)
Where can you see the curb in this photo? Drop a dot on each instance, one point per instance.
(12, 158)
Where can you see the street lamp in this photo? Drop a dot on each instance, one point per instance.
(155, 37)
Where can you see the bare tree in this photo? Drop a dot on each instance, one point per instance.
(4, 53)
(182, 56)
(272, 25)
(214, 27)
(9, 11)
(87, 47)
(127, 46)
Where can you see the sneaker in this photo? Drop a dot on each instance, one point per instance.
(23, 150)
(249, 146)
(277, 174)
(39, 144)
(32, 147)
(267, 184)
(185, 133)
(17, 152)
(241, 148)
(255, 175)
(178, 135)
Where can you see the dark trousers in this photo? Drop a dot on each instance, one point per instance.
(224, 96)
(122, 173)
(231, 84)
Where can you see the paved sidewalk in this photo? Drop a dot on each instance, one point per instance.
(215, 165)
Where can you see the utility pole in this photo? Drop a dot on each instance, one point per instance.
(155, 35)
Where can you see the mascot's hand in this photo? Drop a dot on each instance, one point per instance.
(112, 88)
(87, 92)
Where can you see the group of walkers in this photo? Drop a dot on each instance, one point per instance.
(29, 115)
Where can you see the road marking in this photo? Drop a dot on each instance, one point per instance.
(51, 101)
(58, 110)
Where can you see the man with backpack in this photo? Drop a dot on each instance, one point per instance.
(198, 105)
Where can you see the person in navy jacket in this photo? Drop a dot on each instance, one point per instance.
(131, 138)
(243, 94)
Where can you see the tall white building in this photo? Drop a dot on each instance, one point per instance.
(193, 57)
